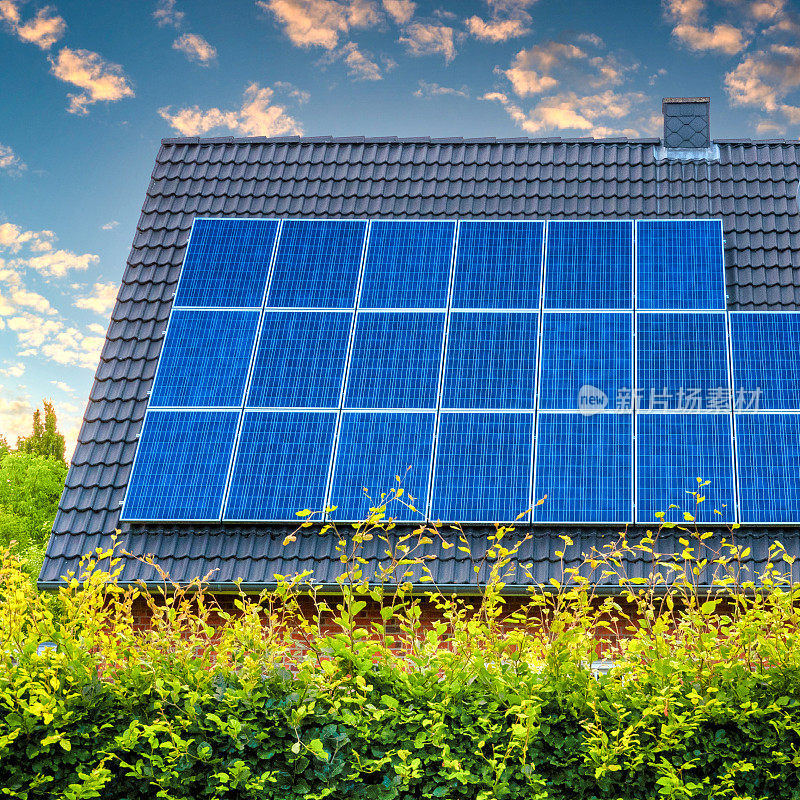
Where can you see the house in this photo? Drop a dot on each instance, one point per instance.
(752, 186)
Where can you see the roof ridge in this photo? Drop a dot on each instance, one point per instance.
(403, 140)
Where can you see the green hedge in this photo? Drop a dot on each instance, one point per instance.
(704, 701)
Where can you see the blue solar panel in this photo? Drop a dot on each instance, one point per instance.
(491, 360)
(583, 465)
(589, 265)
(682, 361)
(673, 451)
(395, 360)
(227, 263)
(373, 449)
(679, 264)
(300, 359)
(483, 467)
(768, 452)
(181, 466)
(408, 265)
(317, 264)
(205, 358)
(498, 265)
(586, 357)
(281, 464)
(766, 360)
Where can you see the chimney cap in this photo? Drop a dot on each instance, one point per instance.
(685, 100)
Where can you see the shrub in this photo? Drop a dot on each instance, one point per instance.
(289, 697)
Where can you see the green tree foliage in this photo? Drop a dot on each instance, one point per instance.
(360, 696)
(45, 440)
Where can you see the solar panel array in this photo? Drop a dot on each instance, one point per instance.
(487, 364)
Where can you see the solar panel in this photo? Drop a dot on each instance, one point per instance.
(373, 449)
(408, 265)
(766, 360)
(483, 466)
(586, 356)
(300, 359)
(181, 466)
(682, 361)
(583, 465)
(281, 464)
(317, 264)
(227, 263)
(491, 360)
(679, 264)
(673, 451)
(205, 359)
(768, 455)
(498, 265)
(395, 360)
(589, 265)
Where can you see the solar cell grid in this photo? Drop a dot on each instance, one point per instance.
(766, 360)
(498, 265)
(395, 360)
(673, 451)
(584, 466)
(491, 360)
(589, 265)
(181, 466)
(682, 362)
(768, 456)
(281, 464)
(301, 359)
(317, 264)
(227, 263)
(586, 355)
(205, 359)
(679, 264)
(408, 264)
(374, 448)
(482, 469)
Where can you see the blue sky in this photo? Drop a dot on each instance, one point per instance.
(90, 88)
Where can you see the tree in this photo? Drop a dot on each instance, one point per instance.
(45, 440)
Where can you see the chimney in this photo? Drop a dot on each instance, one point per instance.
(687, 122)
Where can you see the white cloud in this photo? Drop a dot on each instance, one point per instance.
(109, 226)
(569, 111)
(15, 417)
(13, 238)
(167, 14)
(22, 297)
(13, 370)
(763, 78)
(195, 48)
(320, 23)
(429, 38)
(58, 262)
(400, 11)
(64, 387)
(51, 262)
(256, 117)
(10, 161)
(497, 30)
(101, 80)
(425, 89)
(360, 66)
(686, 17)
(96, 329)
(101, 300)
(43, 30)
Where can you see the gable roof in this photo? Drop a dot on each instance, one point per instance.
(752, 186)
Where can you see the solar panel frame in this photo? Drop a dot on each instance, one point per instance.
(169, 338)
(343, 460)
(179, 301)
(231, 512)
(743, 420)
(176, 416)
(550, 304)
(539, 511)
(665, 428)
(646, 304)
(526, 420)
